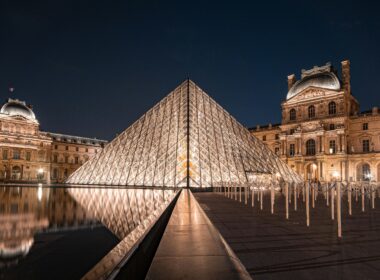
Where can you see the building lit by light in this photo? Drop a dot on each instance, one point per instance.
(28, 154)
(322, 134)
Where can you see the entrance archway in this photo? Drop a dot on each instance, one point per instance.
(311, 171)
(363, 172)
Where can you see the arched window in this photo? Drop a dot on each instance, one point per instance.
(363, 172)
(332, 108)
(311, 112)
(310, 147)
(292, 115)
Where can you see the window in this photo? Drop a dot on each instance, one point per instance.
(332, 108)
(311, 112)
(76, 160)
(365, 126)
(276, 150)
(292, 131)
(86, 150)
(366, 146)
(66, 159)
(65, 173)
(55, 173)
(363, 172)
(16, 154)
(264, 138)
(277, 136)
(332, 146)
(28, 156)
(292, 115)
(292, 150)
(5, 154)
(67, 148)
(332, 126)
(55, 158)
(76, 149)
(310, 147)
(56, 147)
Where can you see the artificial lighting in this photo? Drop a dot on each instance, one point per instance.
(335, 174)
(40, 171)
(331, 150)
(39, 192)
(314, 166)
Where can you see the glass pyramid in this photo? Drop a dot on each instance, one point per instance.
(186, 140)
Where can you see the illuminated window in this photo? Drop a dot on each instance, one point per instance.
(332, 145)
(311, 112)
(292, 115)
(332, 108)
(310, 147)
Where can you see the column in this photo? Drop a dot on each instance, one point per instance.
(320, 143)
(343, 143)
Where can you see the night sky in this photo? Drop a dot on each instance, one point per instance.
(91, 68)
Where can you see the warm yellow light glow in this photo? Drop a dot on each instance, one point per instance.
(40, 171)
(39, 192)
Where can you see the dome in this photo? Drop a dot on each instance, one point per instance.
(15, 107)
(326, 80)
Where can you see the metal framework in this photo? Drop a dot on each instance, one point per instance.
(186, 140)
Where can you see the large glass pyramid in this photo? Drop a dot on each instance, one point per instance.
(186, 140)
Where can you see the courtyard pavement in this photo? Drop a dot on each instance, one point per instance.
(271, 247)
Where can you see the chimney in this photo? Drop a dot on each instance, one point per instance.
(346, 76)
(291, 80)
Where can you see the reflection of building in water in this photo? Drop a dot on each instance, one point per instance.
(28, 154)
(26, 211)
(322, 134)
(121, 210)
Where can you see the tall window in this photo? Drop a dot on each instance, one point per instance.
(332, 108)
(366, 146)
(310, 147)
(276, 150)
(66, 159)
(5, 154)
(76, 160)
(16, 154)
(332, 126)
(264, 138)
(277, 136)
(55, 158)
(332, 147)
(55, 173)
(292, 150)
(28, 156)
(311, 112)
(365, 126)
(293, 115)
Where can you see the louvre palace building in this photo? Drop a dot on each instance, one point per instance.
(28, 154)
(323, 135)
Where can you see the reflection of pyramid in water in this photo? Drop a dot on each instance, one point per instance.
(187, 139)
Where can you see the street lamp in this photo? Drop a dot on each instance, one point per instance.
(40, 173)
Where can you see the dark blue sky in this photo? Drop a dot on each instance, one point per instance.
(93, 67)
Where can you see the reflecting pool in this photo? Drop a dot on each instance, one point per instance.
(71, 231)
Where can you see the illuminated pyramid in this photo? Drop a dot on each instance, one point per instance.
(186, 140)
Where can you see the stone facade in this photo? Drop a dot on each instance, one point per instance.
(322, 135)
(28, 154)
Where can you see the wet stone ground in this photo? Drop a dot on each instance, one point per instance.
(271, 247)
